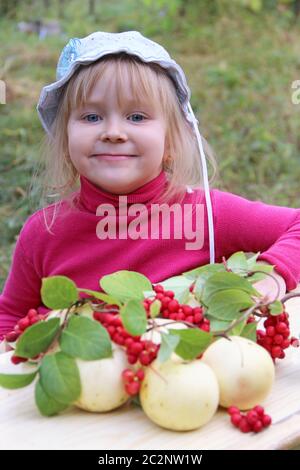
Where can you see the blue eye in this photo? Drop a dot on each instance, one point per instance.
(86, 118)
(136, 114)
(89, 115)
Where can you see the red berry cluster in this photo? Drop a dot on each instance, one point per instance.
(254, 420)
(137, 350)
(172, 309)
(31, 318)
(276, 336)
(132, 380)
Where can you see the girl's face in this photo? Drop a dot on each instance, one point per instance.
(103, 127)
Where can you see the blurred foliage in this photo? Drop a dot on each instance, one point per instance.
(240, 57)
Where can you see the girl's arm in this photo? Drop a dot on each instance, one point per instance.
(253, 226)
(21, 290)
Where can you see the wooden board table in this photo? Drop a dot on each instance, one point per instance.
(22, 427)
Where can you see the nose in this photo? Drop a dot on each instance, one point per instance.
(112, 131)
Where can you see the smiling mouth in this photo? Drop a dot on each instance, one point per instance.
(113, 157)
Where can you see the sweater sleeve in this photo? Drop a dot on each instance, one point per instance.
(21, 290)
(253, 226)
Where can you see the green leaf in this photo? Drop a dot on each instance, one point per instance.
(192, 342)
(180, 285)
(12, 381)
(58, 292)
(251, 261)
(47, 405)
(216, 324)
(238, 263)
(249, 331)
(220, 282)
(168, 345)
(86, 339)
(149, 293)
(204, 271)
(258, 276)
(134, 317)
(276, 308)
(266, 268)
(37, 338)
(183, 297)
(60, 378)
(227, 304)
(155, 308)
(125, 285)
(237, 329)
(108, 299)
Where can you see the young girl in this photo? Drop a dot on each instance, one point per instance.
(120, 126)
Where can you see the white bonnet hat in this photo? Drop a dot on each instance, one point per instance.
(91, 48)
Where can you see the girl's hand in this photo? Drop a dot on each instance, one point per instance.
(268, 286)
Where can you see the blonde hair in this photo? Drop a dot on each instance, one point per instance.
(182, 165)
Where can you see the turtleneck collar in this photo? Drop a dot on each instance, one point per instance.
(91, 196)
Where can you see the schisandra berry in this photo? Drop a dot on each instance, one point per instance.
(137, 350)
(171, 309)
(252, 417)
(145, 358)
(254, 420)
(140, 374)
(233, 409)
(22, 325)
(132, 388)
(17, 360)
(251, 319)
(295, 342)
(12, 337)
(158, 288)
(257, 426)
(266, 420)
(145, 351)
(244, 426)
(259, 410)
(132, 380)
(235, 419)
(275, 338)
(128, 375)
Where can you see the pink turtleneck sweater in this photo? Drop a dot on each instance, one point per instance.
(74, 249)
